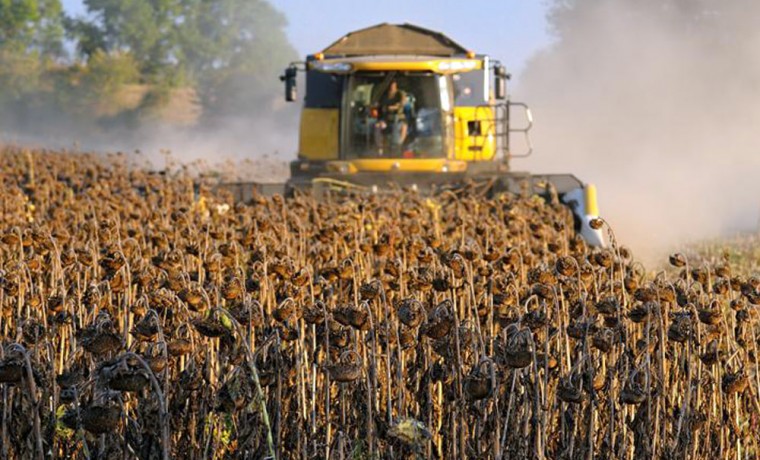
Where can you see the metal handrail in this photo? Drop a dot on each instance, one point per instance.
(525, 130)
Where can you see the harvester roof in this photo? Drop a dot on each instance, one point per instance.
(395, 39)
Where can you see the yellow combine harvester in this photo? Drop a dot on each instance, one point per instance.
(400, 104)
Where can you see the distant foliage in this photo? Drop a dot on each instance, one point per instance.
(226, 54)
(106, 72)
(31, 36)
(32, 25)
(19, 75)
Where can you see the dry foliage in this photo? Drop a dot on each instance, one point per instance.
(143, 317)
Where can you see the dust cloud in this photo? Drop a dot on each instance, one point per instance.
(658, 104)
(247, 147)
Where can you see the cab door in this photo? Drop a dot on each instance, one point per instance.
(474, 119)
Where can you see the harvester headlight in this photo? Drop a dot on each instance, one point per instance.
(333, 67)
(457, 65)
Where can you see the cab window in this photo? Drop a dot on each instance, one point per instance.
(393, 115)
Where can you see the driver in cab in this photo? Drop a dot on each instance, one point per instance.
(391, 118)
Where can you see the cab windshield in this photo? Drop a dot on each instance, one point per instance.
(394, 115)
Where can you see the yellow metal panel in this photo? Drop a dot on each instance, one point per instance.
(409, 165)
(479, 147)
(319, 134)
(439, 66)
(442, 66)
(592, 207)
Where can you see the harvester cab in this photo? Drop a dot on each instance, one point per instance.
(404, 105)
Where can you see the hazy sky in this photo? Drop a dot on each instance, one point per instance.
(509, 30)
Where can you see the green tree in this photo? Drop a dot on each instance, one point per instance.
(31, 37)
(145, 28)
(87, 35)
(230, 50)
(20, 75)
(32, 26)
(221, 41)
(107, 72)
(237, 71)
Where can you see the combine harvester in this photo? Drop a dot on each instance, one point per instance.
(400, 105)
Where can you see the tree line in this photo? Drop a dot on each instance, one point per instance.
(127, 60)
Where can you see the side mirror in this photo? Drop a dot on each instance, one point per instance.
(500, 81)
(290, 83)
